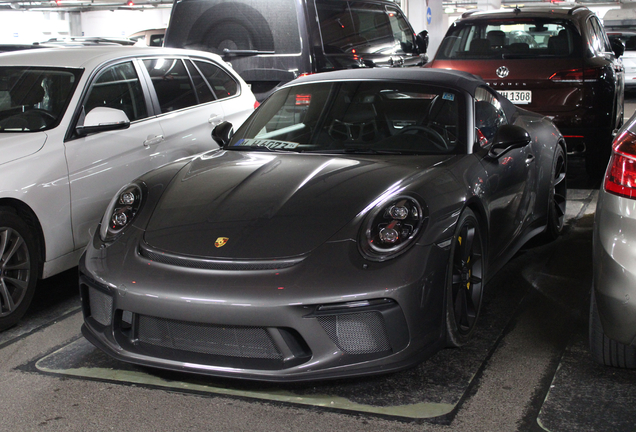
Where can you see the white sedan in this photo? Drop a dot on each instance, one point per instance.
(77, 124)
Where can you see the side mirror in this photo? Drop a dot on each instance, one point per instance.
(222, 133)
(508, 137)
(103, 119)
(618, 46)
(422, 41)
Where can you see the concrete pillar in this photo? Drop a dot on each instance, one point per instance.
(75, 24)
(428, 15)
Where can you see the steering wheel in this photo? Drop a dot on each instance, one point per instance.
(433, 136)
(38, 118)
(443, 130)
(41, 112)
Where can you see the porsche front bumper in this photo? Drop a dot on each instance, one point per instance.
(331, 314)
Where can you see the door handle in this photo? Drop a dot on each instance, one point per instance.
(529, 158)
(151, 140)
(215, 119)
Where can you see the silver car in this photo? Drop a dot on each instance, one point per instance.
(78, 123)
(613, 301)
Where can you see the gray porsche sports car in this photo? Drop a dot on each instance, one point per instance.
(349, 227)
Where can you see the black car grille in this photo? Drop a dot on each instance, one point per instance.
(357, 333)
(210, 264)
(226, 341)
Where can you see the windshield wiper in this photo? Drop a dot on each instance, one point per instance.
(369, 150)
(365, 150)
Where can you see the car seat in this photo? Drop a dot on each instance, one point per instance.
(479, 47)
(559, 45)
(497, 38)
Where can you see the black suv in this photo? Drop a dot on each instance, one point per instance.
(556, 61)
(270, 43)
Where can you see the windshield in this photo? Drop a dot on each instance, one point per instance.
(511, 38)
(357, 117)
(34, 98)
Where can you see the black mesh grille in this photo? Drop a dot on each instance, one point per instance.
(230, 341)
(101, 305)
(204, 264)
(358, 333)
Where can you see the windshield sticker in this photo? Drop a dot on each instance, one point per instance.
(448, 96)
(271, 144)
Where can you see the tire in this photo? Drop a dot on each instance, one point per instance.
(604, 350)
(557, 196)
(19, 267)
(464, 280)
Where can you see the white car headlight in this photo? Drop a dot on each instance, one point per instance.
(121, 211)
(390, 228)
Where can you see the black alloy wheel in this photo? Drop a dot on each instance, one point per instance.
(18, 268)
(557, 195)
(465, 280)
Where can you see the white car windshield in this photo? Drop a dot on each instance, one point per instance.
(34, 98)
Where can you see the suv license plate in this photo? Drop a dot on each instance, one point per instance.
(519, 97)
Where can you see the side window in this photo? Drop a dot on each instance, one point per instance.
(203, 90)
(118, 87)
(172, 83)
(489, 115)
(600, 43)
(401, 32)
(605, 43)
(156, 40)
(221, 82)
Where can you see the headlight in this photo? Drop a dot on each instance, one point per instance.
(121, 211)
(391, 227)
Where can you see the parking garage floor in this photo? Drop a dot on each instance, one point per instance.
(527, 369)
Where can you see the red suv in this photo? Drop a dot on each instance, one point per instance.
(556, 61)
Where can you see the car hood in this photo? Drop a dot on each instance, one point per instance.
(271, 205)
(18, 145)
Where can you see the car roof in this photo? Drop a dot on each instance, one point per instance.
(440, 77)
(534, 11)
(90, 56)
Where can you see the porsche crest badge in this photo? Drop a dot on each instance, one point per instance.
(221, 241)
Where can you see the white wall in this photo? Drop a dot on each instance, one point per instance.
(34, 26)
(28, 27)
(122, 22)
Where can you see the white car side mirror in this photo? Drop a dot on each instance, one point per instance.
(102, 119)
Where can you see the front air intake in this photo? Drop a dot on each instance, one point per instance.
(101, 306)
(227, 341)
(357, 333)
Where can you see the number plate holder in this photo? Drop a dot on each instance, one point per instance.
(517, 97)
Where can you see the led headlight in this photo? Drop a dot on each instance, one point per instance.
(120, 212)
(390, 228)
